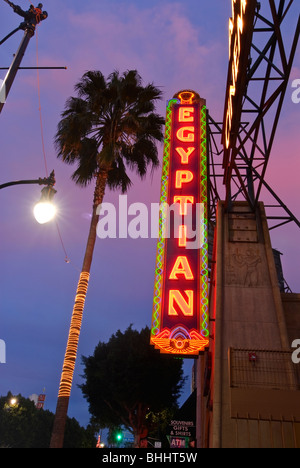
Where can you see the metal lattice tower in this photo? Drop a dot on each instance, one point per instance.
(239, 172)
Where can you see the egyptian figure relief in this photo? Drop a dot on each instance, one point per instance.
(243, 268)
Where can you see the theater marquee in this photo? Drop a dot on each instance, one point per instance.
(180, 305)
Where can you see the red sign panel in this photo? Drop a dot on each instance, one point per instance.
(41, 401)
(180, 295)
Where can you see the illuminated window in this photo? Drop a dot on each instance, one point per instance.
(181, 267)
(185, 306)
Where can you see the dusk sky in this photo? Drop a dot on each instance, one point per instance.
(174, 44)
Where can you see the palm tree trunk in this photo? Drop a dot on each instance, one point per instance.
(57, 437)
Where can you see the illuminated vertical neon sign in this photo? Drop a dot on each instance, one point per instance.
(180, 304)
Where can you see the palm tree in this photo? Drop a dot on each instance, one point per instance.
(110, 127)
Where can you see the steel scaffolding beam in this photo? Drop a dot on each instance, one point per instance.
(240, 171)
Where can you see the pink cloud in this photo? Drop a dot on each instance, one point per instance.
(159, 42)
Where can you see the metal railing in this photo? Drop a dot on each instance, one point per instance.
(255, 368)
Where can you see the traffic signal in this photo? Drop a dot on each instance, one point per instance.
(119, 436)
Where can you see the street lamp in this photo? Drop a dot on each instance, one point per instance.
(44, 210)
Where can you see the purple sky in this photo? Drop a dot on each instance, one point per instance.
(176, 45)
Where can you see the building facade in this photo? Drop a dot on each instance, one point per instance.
(248, 387)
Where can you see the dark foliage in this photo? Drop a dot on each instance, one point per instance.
(24, 426)
(126, 379)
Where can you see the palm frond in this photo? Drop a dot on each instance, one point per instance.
(111, 124)
(87, 162)
(118, 177)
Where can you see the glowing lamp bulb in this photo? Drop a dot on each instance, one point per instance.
(44, 212)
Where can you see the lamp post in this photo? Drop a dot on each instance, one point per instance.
(32, 17)
(44, 210)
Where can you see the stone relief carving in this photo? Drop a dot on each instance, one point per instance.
(242, 269)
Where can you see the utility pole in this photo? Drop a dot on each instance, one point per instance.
(32, 17)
